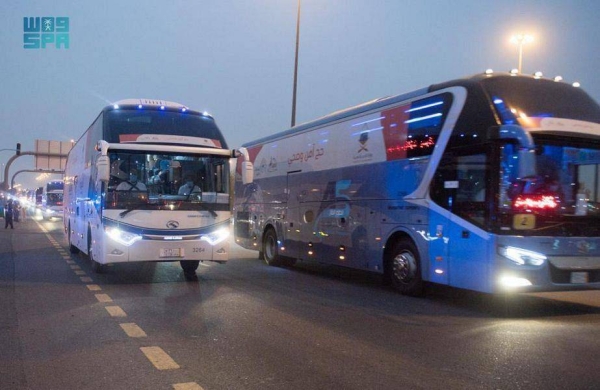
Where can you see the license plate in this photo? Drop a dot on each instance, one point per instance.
(579, 277)
(171, 252)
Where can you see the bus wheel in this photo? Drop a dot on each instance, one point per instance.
(97, 268)
(189, 268)
(405, 268)
(72, 248)
(270, 248)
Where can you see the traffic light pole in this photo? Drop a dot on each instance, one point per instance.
(4, 184)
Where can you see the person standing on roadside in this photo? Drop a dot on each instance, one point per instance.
(8, 214)
(16, 211)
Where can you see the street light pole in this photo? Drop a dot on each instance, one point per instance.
(296, 67)
(521, 39)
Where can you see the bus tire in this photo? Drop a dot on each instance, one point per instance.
(404, 268)
(72, 248)
(97, 268)
(189, 267)
(271, 248)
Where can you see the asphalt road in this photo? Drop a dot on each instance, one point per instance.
(245, 325)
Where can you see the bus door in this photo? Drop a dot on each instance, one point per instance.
(78, 204)
(458, 241)
(337, 229)
(292, 223)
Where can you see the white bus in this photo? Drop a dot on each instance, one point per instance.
(125, 180)
(489, 183)
(52, 200)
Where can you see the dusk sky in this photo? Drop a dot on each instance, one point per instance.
(235, 59)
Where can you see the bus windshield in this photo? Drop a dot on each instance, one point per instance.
(168, 181)
(54, 199)
(123, 123)
(561, 198)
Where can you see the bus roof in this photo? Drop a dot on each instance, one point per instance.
(154, 104)
(475, 83)
(149, 102)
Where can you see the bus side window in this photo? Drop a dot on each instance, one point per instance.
(460, 185)
(472, 173)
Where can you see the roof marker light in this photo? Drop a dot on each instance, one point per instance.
(558, 78)
(576, 84)
(139, 106)
(116, 106)
(162, 107)
(489, 72)
(538, 75)
(514, 72)
(183, 109)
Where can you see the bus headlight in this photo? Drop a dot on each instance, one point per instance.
(522, 256)
(509, 281)
(122, 237)
(216, 237)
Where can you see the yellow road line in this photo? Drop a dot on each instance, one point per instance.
(79, 272)
(115, 311)
(187, 386)
(75, 267)
(86, 279)
(103, 298)
(159, 358)
(133, 330)
(93, 287)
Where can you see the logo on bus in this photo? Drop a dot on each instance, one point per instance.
(46, 31)
(363, 154)
(172, 224)
(364, 138)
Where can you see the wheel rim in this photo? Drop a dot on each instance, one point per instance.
(405, 266)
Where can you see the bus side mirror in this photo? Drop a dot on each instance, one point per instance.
(103, 168)
(247, 172)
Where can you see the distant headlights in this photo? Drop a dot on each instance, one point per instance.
(216, 237)
(522, 256)
(122, 237)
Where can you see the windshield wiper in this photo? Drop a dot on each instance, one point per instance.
(211, 211)
(138, 206)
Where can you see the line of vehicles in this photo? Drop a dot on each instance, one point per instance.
(489, 183)
(44, 203)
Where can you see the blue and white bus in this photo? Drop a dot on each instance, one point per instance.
(123, 198)
(489, 183)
